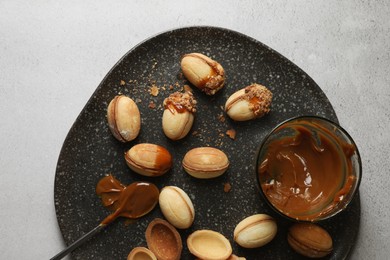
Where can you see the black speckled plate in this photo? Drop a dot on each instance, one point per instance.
(90, 151)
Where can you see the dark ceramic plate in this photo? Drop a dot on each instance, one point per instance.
(90, 151)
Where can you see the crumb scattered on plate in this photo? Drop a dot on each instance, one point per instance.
(153, 90)
(152, 105)
(227, 187)
(231, 133)
(221, 118)
(187, 88)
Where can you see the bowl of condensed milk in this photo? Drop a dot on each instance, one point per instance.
(308, 168)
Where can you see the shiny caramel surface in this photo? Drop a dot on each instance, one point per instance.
(132, 201)
(305, 175)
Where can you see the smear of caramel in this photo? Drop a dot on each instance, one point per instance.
(132, 201)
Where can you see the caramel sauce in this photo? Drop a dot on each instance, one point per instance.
(175, 107)
(254, 101)
(163, 159)
(132, 201)
(213, 73)
(255, 104)
(305, 175)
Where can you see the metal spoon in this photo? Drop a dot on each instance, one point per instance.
(78, 242)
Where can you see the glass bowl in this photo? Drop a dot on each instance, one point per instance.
(308, 168)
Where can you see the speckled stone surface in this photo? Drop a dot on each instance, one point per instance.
(90, 151)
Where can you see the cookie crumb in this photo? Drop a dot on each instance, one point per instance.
(154, 65)
(195, 133)
(221, 118)
(152, 105)
(153, 90)
(187, 88)
(227, 187)
(122, 83)
(231, 133)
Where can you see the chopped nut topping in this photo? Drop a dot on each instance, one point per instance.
(260, 99)
(179, 101)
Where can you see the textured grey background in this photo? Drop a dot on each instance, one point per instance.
(54, 54)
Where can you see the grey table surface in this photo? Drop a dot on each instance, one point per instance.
(53, 54)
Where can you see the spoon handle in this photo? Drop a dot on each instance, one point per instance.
(78, 242)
